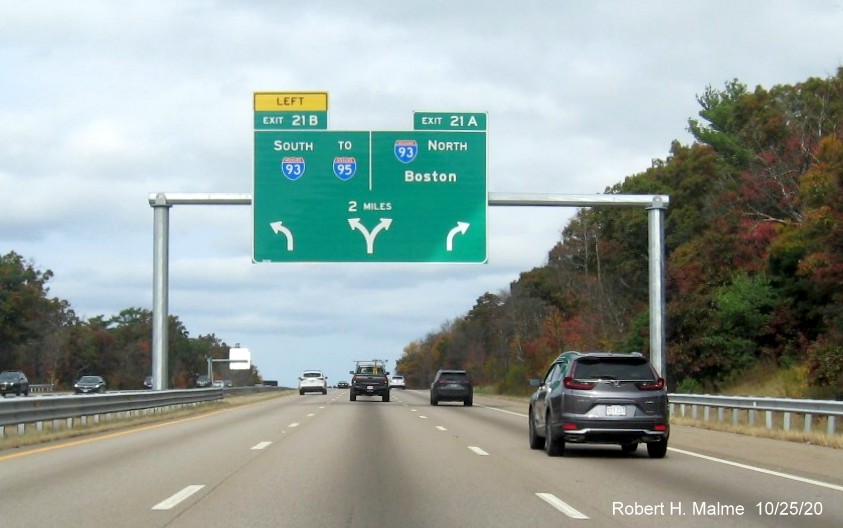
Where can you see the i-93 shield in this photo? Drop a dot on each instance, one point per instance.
(406, 150)
(293, 168)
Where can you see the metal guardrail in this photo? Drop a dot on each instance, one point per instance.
(20, 411)
(689, 405)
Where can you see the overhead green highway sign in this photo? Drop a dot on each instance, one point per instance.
(366, 196)
(358, 196)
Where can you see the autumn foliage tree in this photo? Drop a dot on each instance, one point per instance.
(754, 236)
(43, 337)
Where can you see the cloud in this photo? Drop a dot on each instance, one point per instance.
(104, 103)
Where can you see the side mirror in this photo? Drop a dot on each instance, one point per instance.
(351, 372)
(535, 382)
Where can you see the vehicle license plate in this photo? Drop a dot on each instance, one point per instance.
(369, 387)
(615, 410)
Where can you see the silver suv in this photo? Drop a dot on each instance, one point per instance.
(313, 381)
(600, 398)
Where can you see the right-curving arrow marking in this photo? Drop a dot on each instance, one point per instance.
(278, 227)
(461, 228)
(370, 237)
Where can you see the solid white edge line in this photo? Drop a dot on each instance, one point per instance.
(261, 445)
(478, 451)
(562, 506)
(804, 480)
(501, 410)
(174, 500)
(759, 470)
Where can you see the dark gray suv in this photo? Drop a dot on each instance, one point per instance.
(452, 385)
(13, 381)
(600, 398)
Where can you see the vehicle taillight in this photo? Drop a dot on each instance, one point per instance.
(649, 385)
(570, 383)
(660, 427)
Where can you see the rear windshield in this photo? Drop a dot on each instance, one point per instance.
(630, 369)
(370, 369)
(312, 374)
(454, 376)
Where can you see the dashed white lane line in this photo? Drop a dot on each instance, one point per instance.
(423, 417)
(178, 498)
(261, 445)
(478, 451)
(310, 415)
(562, 506)
(294, 424)
(441, 428)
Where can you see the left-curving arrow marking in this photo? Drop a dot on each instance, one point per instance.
(278, 227)
(461, 228)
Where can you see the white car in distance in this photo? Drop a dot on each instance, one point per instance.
(313, 381)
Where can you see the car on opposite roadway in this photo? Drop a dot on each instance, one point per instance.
(599, 398)
(89, 385)
(13, 382)
(342, 384)
(147, 382)
(452, 385)
(397, 382)
(313, 381)
(203, 381)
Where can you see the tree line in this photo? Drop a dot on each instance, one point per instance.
(43, 337)
(754, 264)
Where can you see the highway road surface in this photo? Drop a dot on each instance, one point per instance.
(322, 460)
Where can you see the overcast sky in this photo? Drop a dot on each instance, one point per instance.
(105, 102)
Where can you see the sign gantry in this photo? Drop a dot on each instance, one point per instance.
(282, 211)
